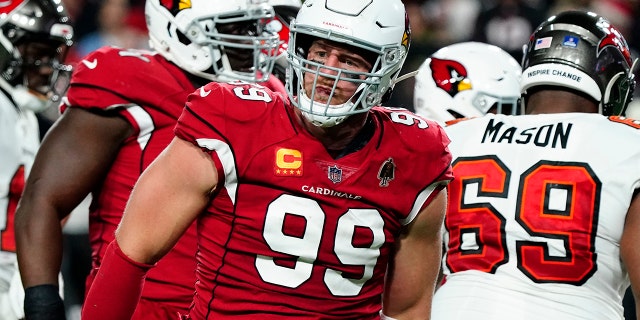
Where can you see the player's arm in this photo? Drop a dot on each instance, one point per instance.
(167, 198)
(413, 272)
(630, 250)
(73, 158)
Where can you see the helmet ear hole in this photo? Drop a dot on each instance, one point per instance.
(182, 38)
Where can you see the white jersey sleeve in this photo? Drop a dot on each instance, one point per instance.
(19, 141)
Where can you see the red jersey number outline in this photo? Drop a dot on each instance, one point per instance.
(576, 226)
(7, 231)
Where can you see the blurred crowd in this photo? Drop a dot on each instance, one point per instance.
(107, 22)
(434, 23)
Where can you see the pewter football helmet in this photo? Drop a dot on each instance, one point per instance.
(584, 52)
(35, 35)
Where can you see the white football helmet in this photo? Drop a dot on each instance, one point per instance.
(216, 40)
(290, 3)
(378, 28)
(466, 80)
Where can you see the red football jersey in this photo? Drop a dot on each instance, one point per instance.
(293, 232)
(150, 93)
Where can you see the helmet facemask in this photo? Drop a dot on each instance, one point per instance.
(285, 13)
(216, 42)
(619, 90)
(241, 46)
(488, 103)
(36, 57)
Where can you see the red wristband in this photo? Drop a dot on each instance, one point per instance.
(117, 287)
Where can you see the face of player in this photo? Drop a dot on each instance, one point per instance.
(335, 55)
(39, 63)
(239, 59)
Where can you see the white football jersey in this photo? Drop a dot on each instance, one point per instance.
(19, 141)
(536, 212)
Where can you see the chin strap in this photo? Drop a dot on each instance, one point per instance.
(406, 76)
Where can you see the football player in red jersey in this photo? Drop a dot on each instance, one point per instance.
(118, 115)
(543, 220)
(319, 205)
(35, 36)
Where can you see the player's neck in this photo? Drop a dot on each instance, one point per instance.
(337, 138)
(559, 101)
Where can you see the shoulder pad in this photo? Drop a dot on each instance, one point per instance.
(123, 70)
(624, 120)
(417, 132)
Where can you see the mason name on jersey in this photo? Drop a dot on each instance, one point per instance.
(551, 135)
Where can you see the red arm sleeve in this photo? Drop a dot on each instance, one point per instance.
(117, 287)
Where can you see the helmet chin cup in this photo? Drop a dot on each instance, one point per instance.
(323, 122)
(331, 115)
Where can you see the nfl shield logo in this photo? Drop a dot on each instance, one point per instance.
(335, 174)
